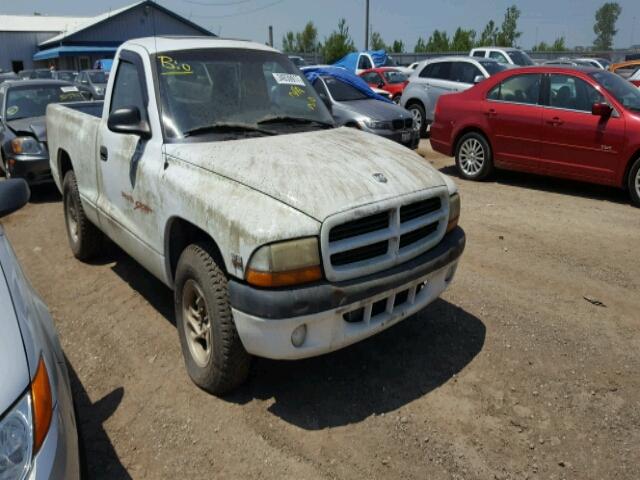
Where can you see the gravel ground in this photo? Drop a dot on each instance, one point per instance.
(526, 368)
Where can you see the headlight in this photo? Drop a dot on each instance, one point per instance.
(378, 125)
(454, 211)
(16, 441)
(26, 145)
(285, 263)
(99, 91)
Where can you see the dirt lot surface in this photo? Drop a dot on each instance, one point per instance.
(513, 374)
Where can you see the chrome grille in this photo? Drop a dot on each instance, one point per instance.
(379, 236)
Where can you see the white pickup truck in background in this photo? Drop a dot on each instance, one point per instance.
(217, 167)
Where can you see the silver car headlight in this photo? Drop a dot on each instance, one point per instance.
(26, 145)
(16, 441)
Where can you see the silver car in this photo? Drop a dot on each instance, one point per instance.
(440, 76)
(38, 435)
(352, 108)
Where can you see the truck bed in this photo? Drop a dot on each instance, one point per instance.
(92, 108)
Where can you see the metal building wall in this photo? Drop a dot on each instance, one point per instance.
(135, 23)
(20, 46)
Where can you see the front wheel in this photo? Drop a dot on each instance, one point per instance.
(634, 183)
(474, 159)
(419, 118)
(214, 355)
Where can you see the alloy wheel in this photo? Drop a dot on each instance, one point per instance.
(196, 323)
(417, 117)
(472, 157)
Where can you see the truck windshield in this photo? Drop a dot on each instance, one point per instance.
(32, 101)
(520, 58)
(203, 89)
(623, 91)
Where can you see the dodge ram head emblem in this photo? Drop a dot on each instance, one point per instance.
(380, 177)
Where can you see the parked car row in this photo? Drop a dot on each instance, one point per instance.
(581, 124)
(92, 82)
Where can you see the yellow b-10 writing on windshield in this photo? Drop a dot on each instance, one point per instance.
(173, 67)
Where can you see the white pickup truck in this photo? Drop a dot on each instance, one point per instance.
(217, 167)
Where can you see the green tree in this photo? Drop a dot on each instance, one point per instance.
(509, 34)
(489, 35)
(421, 46)
(559, 45)
(438, 42)
(307, 40)
(376, 42)
(289, 43)
(541, 47)
(339, 43)
(605, 26)
(463, 40)
(398, 46)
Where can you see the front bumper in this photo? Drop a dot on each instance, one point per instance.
(35, 169)
(408, 138)
(340, 314)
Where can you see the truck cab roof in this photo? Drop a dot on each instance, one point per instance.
(173, 43)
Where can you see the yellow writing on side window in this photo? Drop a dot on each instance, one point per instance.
(296, 91)
(170, 66)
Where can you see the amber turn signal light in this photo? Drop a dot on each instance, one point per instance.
(282, 279)
(42, 405)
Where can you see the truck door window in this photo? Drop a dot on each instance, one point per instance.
(498, 56)
(127, 89)
(364, 63)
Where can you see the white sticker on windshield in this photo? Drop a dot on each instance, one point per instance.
(69, 89)
(288, 79)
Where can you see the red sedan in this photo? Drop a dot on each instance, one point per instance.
(582, 124)
(386, 78)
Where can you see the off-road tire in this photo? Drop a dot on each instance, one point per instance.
(476, 139)
(88, 241)
(227, 366)
(633, 182)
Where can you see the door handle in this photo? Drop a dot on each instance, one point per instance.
(491, 113)
(555, 121)
(104, 153)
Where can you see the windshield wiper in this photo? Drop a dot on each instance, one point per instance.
(290, 119)
(226, 128)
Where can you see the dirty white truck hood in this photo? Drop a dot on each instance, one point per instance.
(318, 173)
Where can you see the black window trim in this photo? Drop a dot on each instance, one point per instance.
(127, 56)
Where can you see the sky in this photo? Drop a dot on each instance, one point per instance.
(406, 20)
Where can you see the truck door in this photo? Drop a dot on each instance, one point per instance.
(130, 168)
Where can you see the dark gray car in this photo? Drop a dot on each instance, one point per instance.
(94, 81)
(352, 108)
(38, 431)
(23, 136)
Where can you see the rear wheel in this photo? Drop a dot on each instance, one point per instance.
(473, 157)
(419, 118)
(214, 355)
(634, 183)
(85, 239)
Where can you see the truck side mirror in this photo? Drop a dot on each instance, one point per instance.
(128, 120)
(14, 194)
